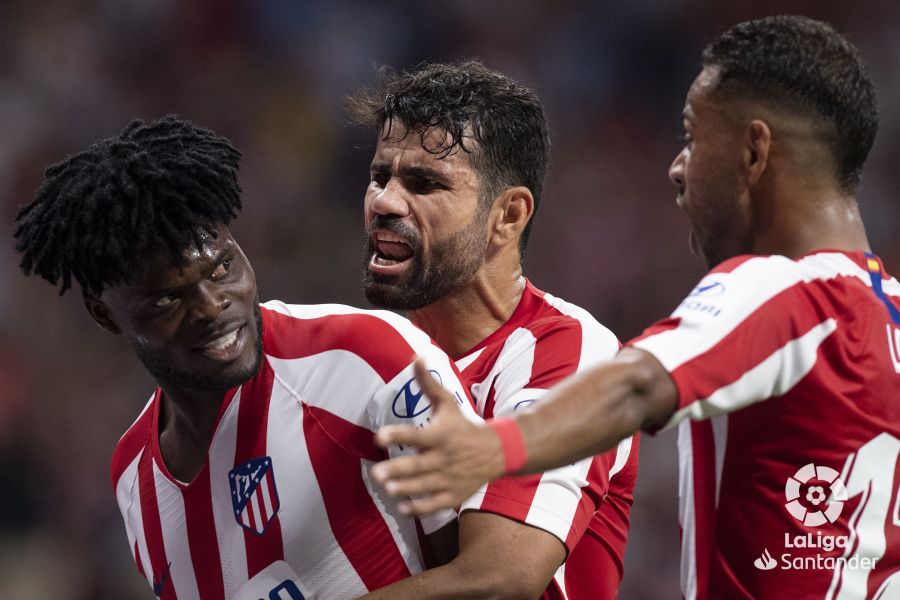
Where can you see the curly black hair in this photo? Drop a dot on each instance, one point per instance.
(97, 213)
(469, 103)
(805, 66)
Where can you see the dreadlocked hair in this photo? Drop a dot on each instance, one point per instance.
(98, 212)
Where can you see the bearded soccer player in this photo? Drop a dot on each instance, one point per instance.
(456, 178)
(782, 367)
(245, 476)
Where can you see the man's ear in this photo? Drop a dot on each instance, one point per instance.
(514, 208)
(757, 145)
(100, 312)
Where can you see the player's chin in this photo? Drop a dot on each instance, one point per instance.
(385, 291)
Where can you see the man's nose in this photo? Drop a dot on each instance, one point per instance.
(209, 301)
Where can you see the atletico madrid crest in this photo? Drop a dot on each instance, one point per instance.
(253, 494)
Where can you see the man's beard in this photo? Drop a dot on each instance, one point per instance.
(449, 266)
(163, 371)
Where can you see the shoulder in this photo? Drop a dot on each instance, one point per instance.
(132, 442)
(383, 339)
(567, 323)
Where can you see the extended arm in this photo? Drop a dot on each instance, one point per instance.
(498, 558)
(585, 415)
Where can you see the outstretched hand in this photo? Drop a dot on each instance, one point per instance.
(455, 456)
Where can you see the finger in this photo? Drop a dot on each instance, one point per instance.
(436, 393)
(406, 435)
(420, 485)
(403, 467)
(429, 504)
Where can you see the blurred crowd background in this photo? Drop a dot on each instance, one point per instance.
(271, 76)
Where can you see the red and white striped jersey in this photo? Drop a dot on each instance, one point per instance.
(545, 341)
(283, 506)
(790, 370)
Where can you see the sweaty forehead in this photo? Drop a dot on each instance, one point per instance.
(159, 269)
(411, 147)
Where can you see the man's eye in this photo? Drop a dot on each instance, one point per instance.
(686, 139)
(165, 301)
(222, 269)
(380, 179)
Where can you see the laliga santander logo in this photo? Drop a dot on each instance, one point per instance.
(824, 498)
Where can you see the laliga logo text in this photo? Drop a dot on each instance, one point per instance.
(815, 496)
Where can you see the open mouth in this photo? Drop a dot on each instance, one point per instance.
(391, 253)
(224, 348)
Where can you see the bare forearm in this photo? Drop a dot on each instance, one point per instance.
(436, 584)
(591, 412)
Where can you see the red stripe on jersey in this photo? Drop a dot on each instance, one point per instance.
(557, 352)
(351, 437)
(162, 584)
(201, 533)
(703, 451)
(733, 263)
(743, 347)
(262, 550)
(356, 522)
(134, 440)
(658, 327)
(511, 496)
(367, 336)
(137, 559)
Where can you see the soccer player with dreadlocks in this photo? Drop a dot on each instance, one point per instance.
(245, 474)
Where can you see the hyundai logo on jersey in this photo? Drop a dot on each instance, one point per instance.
(707, 288)
(253, 494)
(408, 402)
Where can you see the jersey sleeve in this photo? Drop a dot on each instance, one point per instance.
(401, 402)
(561, 501)
(747, 332)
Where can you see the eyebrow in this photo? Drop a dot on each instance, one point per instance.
(412, 171)
(155, 292)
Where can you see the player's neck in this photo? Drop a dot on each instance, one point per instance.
(461, 320)
(185, 430)
(817, 221)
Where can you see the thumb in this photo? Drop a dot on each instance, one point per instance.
(439, 397)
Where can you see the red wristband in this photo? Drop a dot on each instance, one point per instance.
(513, 445)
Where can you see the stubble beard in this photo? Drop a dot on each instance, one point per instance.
(448, 267)
(163, 371)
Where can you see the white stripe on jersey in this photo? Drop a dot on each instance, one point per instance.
(598, 344)
(134, 525)
(175, 540)
(749, 286)
(401, 530)
(623, 451)
(561, 490)
(286, 444)
(772, 377)
(232, 552)
(465, 361)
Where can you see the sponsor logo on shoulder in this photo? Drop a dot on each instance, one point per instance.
(708, 289)
(411, 401)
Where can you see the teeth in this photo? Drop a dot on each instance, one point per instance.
(389, 237)
(223, 342)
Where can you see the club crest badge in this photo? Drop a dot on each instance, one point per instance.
(254, 496)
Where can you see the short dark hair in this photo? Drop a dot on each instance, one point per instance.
(98, 212)
(805, 66)
(468, 101)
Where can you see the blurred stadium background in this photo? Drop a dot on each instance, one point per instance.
(271, 75)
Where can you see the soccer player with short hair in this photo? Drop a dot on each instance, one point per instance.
(245, 476)
(455, 181)
(781, 369)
